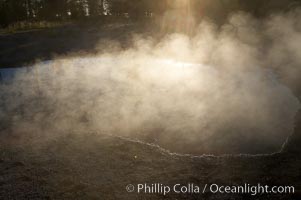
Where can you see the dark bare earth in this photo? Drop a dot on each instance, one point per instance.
(97, 166)
(92, 166)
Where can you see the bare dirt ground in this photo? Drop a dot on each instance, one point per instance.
(97, 166)
(93, 166)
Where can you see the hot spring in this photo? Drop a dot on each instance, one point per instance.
(182, 106)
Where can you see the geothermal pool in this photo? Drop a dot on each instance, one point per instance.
(182, 106)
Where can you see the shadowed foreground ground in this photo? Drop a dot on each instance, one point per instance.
(92, 166)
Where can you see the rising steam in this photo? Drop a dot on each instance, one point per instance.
(215, 92)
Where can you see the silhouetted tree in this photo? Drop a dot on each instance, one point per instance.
(12, 11)
(19, 10)
(77, 8)
(95, 7)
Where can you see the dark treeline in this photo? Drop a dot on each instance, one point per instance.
(12, 11)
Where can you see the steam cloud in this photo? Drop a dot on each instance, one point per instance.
(218, 92)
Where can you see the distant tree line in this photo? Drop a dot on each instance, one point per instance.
(22, 10)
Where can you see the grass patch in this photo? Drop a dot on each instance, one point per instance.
(30, 25)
